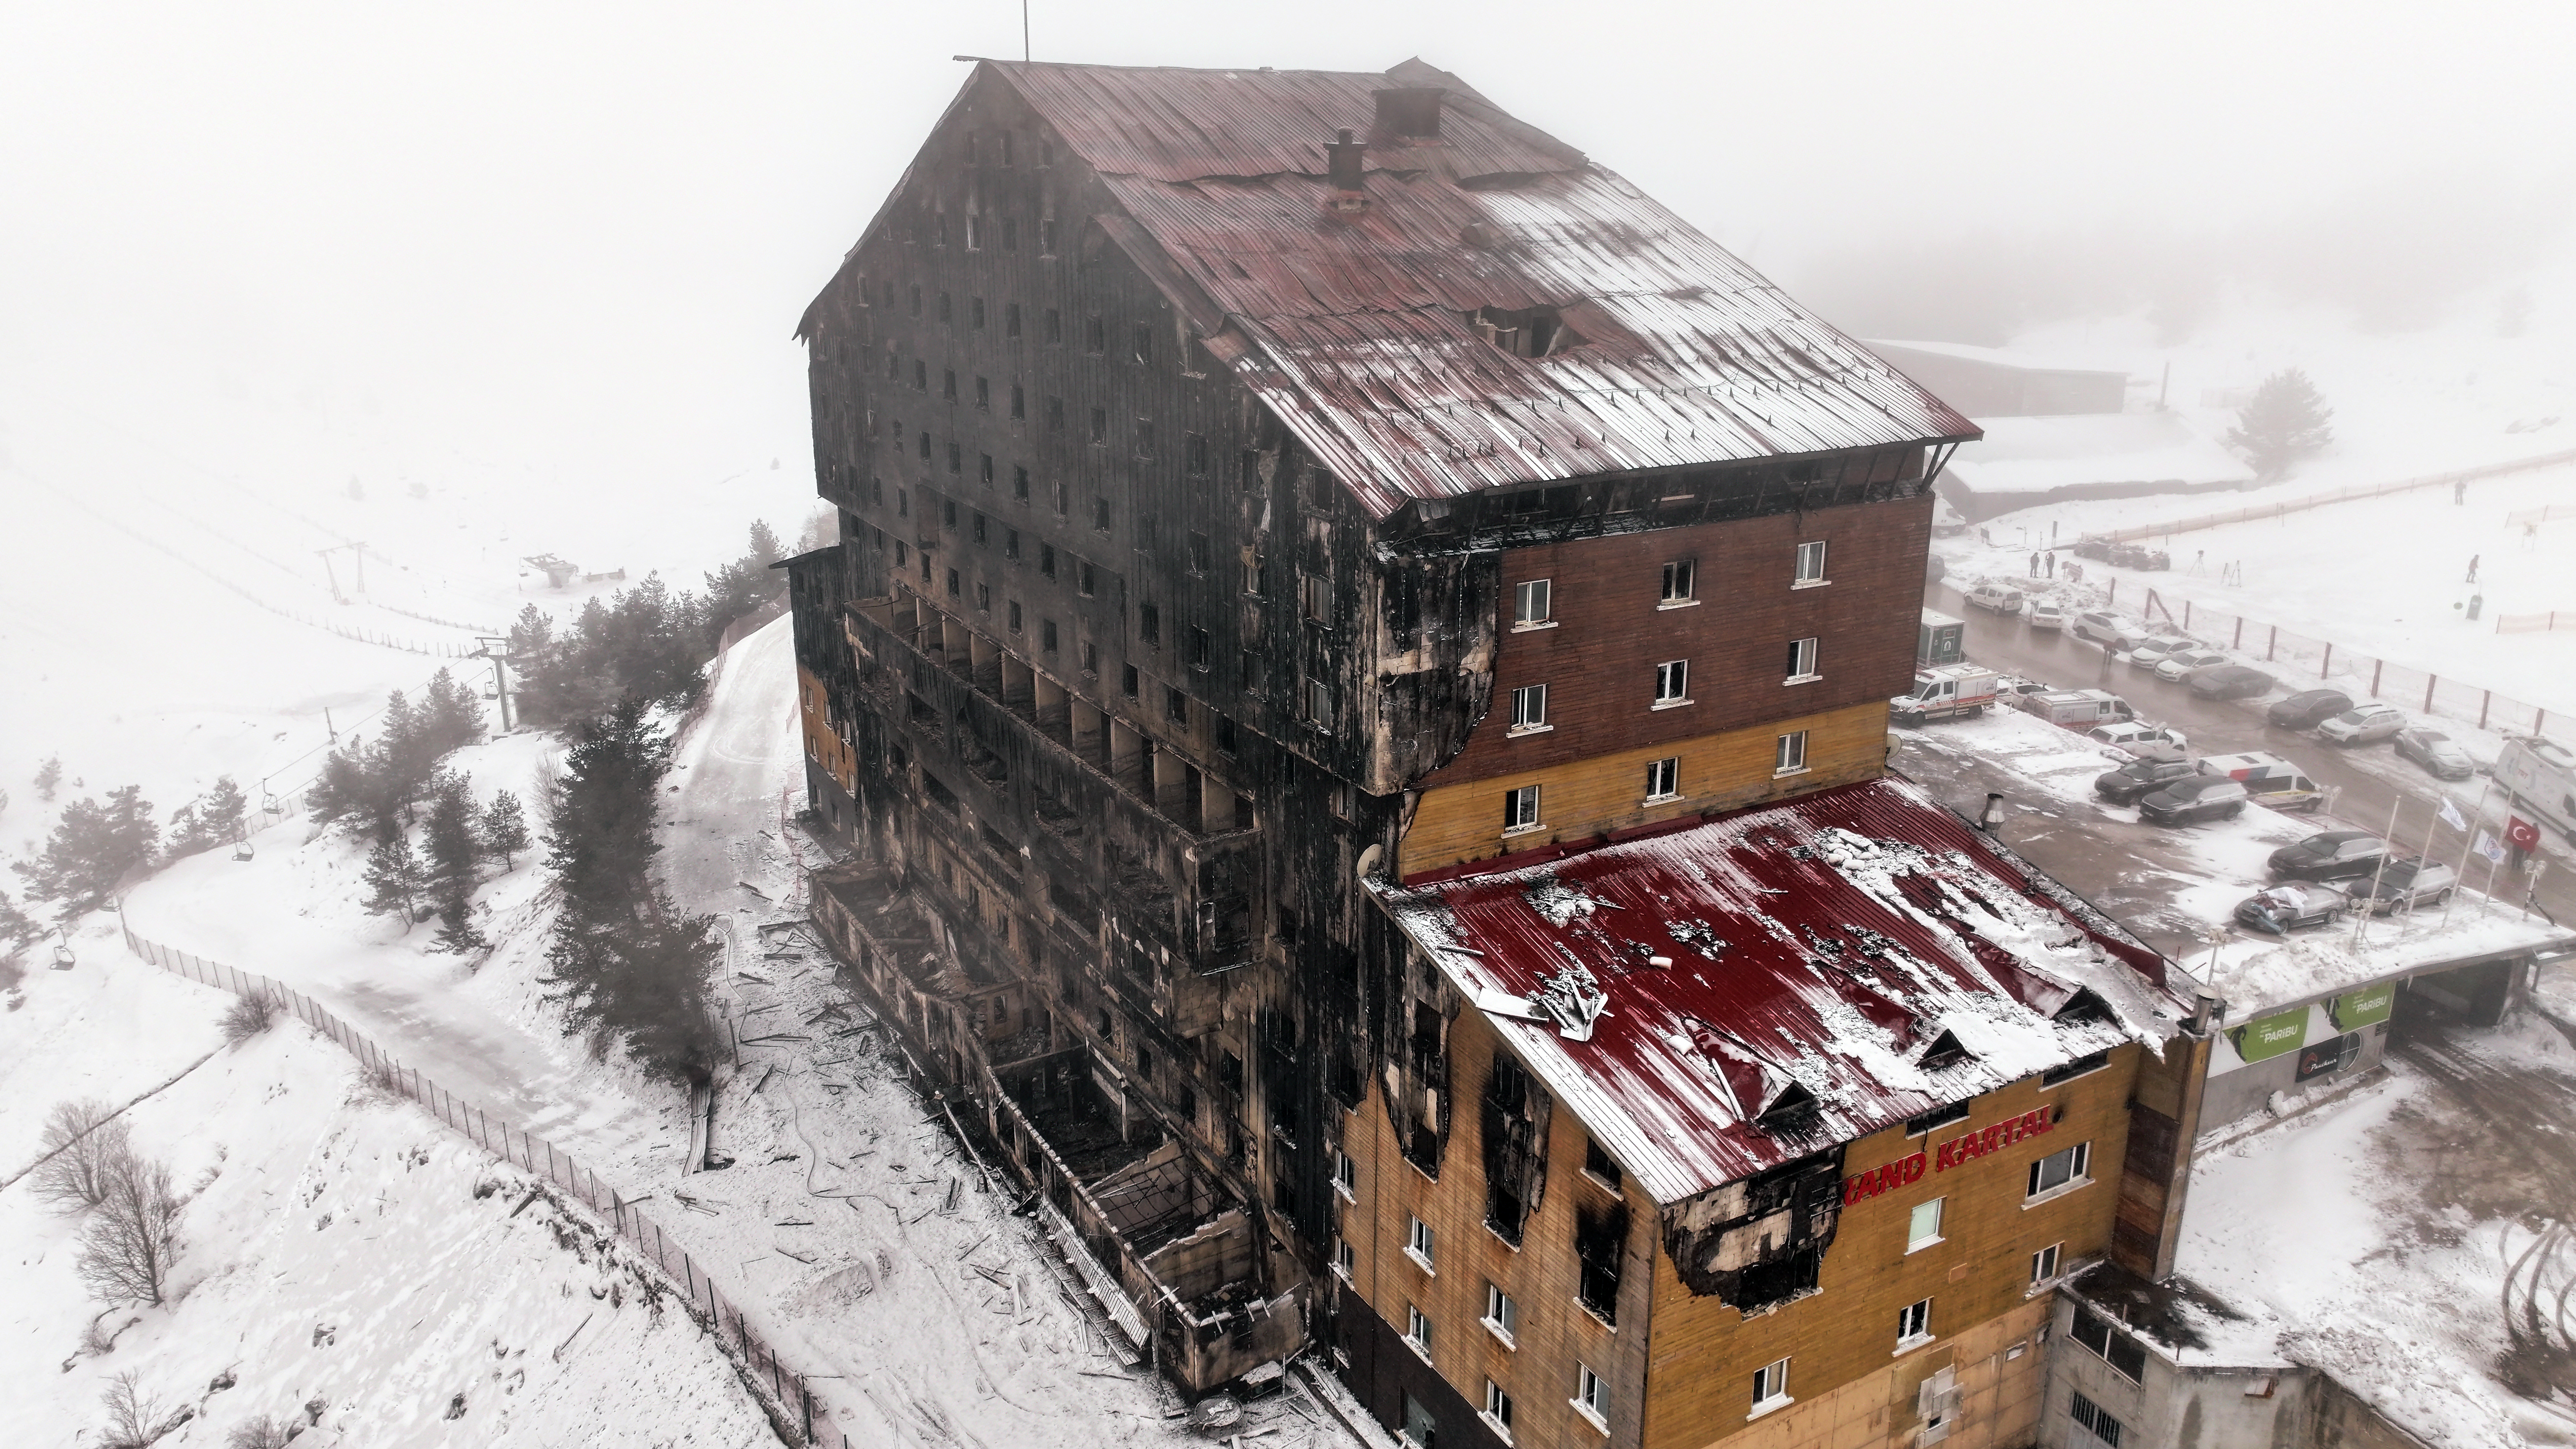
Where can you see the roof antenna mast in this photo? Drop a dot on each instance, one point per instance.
(1024, 31)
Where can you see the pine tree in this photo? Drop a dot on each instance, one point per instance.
(601, 846)
(504, 829)
(449, 875)
(49, 777)
(2286, 421)
(450, 716)
(764, 544)
(93, 848)
(18, 930)
(213, 821)
(393, 879)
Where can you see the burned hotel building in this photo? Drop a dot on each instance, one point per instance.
(1354, 690)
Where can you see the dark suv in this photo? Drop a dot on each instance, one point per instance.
(2193, 799)
(2335, 855)
(2308, 708)
(2124, 785)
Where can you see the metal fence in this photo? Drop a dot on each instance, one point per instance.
(2345, 495)
(793, 1406)
(2550, 514)
(2308, 659)
(2554, 620)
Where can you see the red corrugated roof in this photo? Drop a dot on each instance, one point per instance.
(1827, 942)
(1356, 328)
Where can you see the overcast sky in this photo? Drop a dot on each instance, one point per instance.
(583, 232)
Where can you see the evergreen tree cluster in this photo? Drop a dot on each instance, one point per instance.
(2286, 421)
(627, 967)
(373, 789)
(93, 847)
(645, 642)
(458, 838)
(205, 824)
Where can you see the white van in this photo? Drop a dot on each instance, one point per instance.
(2539, 775)
(2078, 709)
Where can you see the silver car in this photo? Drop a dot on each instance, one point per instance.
(2045, 615)
(2176, 667)
(2362, 725)
(2405, 883)
(2150, 652)
(2436, 752)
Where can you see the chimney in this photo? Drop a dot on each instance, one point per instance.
(1346, 154)
(1412, 112)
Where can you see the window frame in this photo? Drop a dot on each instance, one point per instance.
(1805, 657)
(1502, 1315)
(1804, 574)
(1663, 780)
(1917, 1240)
(1521, 810)
(1672, 684)
(2047, 1266)
(2079, 1159)
(1418, 1331)
(1529, 711)
(1782, 750)
(1542, 592)
(1497, 1412)
(1914, 1326)
(1591, 1396)
(1771, 1388)
(1422, 1244)
(1679, 589)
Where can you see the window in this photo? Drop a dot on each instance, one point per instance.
(1086, 579)
(1019, 476)
(1100, 427)
(1914, 1324)
(1149, 624)
(983, 598)
(1010, 310)
(1530, 603)
(1520, 809)
(1194, 454)
(1090, 657)
(1095, 334)
(1677, 583)
(1811, 563)
(1419, 1426)
(1802, 661)
(1770, 1386)
(1672, 683)
(2100, 1425)
(1529, 708)
(1128, 681)
(1498, 1407)
(984, 464)
(2120, 1351)
(1176, 706)
(1054, 318)
(1100, 514)
(916, 300)
(1598, 1164)
(1144, 343)
(953, 585)
(1502, 1315)
(1250, 462)
(1315, 596)
(1663, 780)
(1010, 543)
(1343, 1258)
(974, 305)
(1417, 1330)
(956, 458)
(974, 227)
(1319, 702)
(979, 531)
(1924, 1229)
(920, 375)
(1055, 418)
(984, 399)
(1346, 1168)
(1047, 635)
(1789, 756)
(1256, 578)
(2043, 1264)
(1144, 437)
(946, 311)
(1198, 648)
(1199, 552)
(1417, 1242)
(2061, 1169)
(948, 512)
(1046, 224)
(1592, 1397)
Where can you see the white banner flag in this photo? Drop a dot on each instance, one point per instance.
(2452, 817)
(2491, 848)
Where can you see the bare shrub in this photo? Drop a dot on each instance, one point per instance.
(250, 1015)
(131, 1241)
(134, 1418)
(85, 1137)
(262, 1432)
(382, 1081)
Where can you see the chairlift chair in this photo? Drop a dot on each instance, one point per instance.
(242, 849)
(269, 804)
(64, 960)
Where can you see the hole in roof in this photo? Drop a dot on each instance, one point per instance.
(1945, 1051)
(1524, 331)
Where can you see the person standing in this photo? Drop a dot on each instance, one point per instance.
(2034, 565)
(2052, 563)
(2460, 490)
(2473, 568)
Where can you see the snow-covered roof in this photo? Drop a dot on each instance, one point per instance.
(2037, 454)
(1672, 990)
(1990, 356)
(2256, 974)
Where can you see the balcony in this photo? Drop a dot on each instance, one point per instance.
(1176, 850)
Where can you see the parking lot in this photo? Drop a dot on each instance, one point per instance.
(2106, 853)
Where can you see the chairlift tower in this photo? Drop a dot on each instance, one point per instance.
(497, 649)
(359, 551)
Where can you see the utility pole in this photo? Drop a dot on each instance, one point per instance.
(498, 651)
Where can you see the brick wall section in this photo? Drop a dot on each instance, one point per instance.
(1599, 661)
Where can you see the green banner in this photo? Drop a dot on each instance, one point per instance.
(2367, 1007)
(2269, 1036)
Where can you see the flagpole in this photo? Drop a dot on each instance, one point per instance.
(2361, 918)
(2460, 877)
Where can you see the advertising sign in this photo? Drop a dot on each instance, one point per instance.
(2331, 1055)
(2367, 1007)
(2266, 1037)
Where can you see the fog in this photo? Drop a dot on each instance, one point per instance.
(577, 236)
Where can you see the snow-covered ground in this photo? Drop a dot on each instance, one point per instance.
(2386, 1237)
(343, 1252)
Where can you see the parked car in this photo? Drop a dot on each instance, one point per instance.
(2130, 736)
(2193, 799)
(2009, 688)
(2153, 650)
(2111, 631)
(2045, 615)
(2333, 855)
(2230, 681)
(2180, 664)
(2278, 910)
(2362, 725)
(2404, 884)
(2436, 752)
(2155, 765)
(2076, 709)
(1995, 598)
(2269, 780)
(2304, 709)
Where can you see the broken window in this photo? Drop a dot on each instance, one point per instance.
(1199, 552)
(2116, 1349)
(1100, 427)
(1914, 1322)
(1599, 1244)
(1149, 624)
(1144, 343)
(1678, 580)
(1515, 1111)
(1201, 649)
(1315, 596)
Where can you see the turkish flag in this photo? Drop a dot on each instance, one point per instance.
(2521, 834)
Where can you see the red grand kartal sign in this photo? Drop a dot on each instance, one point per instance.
(1974, 1143)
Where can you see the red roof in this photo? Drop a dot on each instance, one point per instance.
(1356, 329)
(1817, 949)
